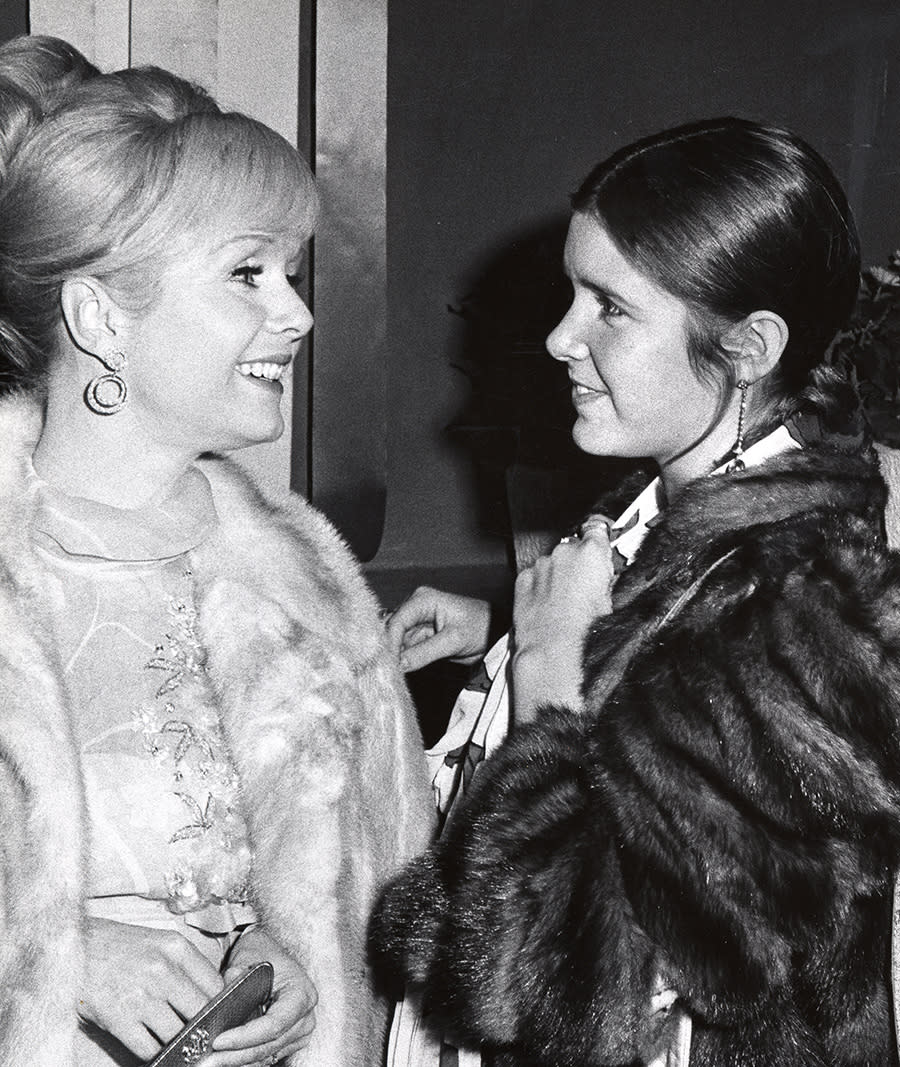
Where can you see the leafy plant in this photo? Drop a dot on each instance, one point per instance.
(870, 346)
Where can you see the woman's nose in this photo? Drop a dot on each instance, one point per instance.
(563, 342)
(292, 314)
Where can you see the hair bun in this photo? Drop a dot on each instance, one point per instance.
(37, 74)
(18, 115)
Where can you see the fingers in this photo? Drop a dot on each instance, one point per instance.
(199, 974)
(416, 612)
(590, 551)
(292, 1005)
(596, 526)
(164, 1022)
(557, 598)
(425, 650)
(142, 983)
(262, 1055)
(265, 1031)
(186, 998)
(138, 1039)
(179, 996)
(433, 625)
(285, 1028)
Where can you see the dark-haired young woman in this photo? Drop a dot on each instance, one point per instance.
(684, 850)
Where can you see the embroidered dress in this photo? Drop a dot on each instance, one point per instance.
(478, 724)
(168, 846)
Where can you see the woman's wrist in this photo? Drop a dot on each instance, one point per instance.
(545, 676)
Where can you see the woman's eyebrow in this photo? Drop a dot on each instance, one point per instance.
(259, 236)
(606, 292)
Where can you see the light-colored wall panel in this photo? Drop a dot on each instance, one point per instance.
(349, 408)
(259, 46)
(98, 28)
(181, 36)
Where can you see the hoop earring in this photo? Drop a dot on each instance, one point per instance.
(736, 464)
(106, 394)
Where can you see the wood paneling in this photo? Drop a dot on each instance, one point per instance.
(99, 28)
(349, 404)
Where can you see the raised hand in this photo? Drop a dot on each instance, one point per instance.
(432, 625)
(555, 602)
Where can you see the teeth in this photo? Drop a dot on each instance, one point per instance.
(272, 372)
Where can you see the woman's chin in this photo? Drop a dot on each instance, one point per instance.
(258, 435)
(276, 433)
(597, 440)
(592, 439)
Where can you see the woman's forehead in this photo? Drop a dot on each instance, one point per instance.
(234, 230)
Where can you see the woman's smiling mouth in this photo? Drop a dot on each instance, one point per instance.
(270, 372)
(580, 391)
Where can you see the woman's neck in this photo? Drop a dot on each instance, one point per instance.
(104, 458)
(715, 448)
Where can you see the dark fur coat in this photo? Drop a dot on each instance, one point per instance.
(724, 814)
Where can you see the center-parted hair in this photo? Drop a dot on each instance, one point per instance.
(733, 217)
(127, 173)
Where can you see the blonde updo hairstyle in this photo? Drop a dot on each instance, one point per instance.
(36, 74)
(126, 174)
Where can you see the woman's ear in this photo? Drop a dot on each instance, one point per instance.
(757, 343)
(93, 319)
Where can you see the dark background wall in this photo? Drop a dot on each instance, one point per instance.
(496, 110)
(13, 18)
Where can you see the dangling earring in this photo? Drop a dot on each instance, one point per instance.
(106, 394)
(736, 464)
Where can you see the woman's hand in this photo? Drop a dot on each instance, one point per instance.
(555, 602)
(142, 984)
(432, 625)
(290, 1019)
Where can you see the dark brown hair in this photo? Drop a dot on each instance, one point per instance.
(733, 217)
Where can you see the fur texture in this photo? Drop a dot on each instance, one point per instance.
(315, 713)
(724, 814)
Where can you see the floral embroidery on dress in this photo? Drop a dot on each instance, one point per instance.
(210, 856)
(183, 655)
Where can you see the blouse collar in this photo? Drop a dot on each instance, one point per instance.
(630, 529)
(163, 528)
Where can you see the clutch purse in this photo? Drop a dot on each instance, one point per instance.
(241, 1000)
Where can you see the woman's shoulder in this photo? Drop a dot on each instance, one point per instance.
(283, 548)
(792, 497)
(797, 543)
(241, 502)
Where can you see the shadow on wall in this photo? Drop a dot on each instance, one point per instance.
(532, 483)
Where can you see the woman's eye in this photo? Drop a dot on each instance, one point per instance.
(295, 281)
(247, 274)
(608, 309)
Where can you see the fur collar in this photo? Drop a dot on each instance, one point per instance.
(713, 514)
(316, 716)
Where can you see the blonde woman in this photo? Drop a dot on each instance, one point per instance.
(206, 757)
